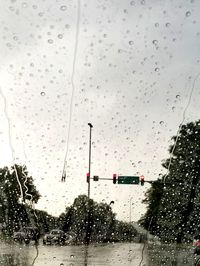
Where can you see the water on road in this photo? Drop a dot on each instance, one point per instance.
(109, 254)
(126, 254)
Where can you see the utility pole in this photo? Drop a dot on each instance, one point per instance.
(88, 177)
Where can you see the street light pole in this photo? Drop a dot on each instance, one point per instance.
(88, 180)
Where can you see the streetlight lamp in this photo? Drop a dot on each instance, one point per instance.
(88, 179)
(112, 202)
(130, 209)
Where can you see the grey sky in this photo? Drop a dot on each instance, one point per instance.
(136, 64)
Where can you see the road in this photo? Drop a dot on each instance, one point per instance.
(109, 254)
(126, 254)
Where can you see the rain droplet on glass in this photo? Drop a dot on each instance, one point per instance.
(50, 41)
(188, 13)
(42, 93)
(63, 8)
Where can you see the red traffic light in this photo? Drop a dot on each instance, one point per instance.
(114, 178)
(142, 180)
(88, 177)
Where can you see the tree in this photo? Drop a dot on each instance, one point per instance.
(174, 201)
(91, 222)
(17, 190)
(152, 198)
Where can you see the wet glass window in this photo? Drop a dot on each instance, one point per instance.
(99, 132)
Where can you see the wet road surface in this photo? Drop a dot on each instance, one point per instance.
(109, 254)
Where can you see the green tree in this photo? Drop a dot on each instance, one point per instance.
(174, 207)
(93, 222)
(152, 198)
(17, 190)
(124, 231)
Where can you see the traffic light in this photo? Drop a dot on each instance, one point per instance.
(114, 178)
(88, 177)
(142, 180)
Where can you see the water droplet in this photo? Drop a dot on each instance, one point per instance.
(157, 69)
(161, 123)
(72, 256)
(50, 41)
(188, 13)
(15, 38)
(24, 5)
(132, 3)
(167, 24)
(60, 36)
(63, 8)
(156, 24)
(155, 42)
(143, 2)
(178, 96)
(42, 93)
(131, 42)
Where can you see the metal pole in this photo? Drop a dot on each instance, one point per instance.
(91, 126)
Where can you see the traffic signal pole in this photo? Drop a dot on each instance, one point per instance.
(88, 179)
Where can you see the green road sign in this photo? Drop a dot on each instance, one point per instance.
(129, 180)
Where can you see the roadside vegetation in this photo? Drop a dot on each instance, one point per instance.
(173, 201)
(85, 220)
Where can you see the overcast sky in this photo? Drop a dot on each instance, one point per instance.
(135, 66)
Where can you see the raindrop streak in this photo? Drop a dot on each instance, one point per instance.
(72, 82)
(31, 200)
(13, 157)
(180, 126)
(10, 141)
